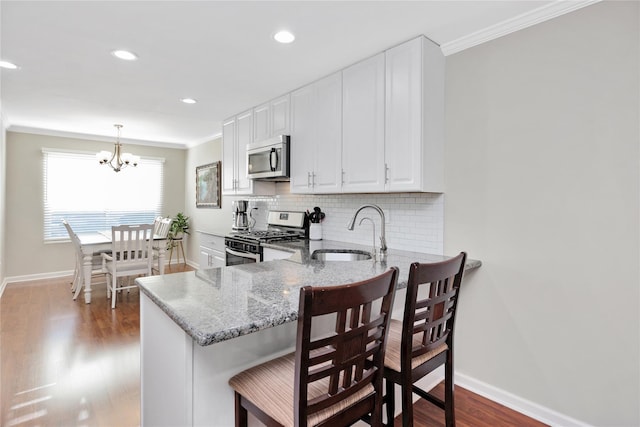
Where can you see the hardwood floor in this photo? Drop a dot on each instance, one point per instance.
(66, 363)
(472, 410)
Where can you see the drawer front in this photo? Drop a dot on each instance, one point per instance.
(212, 242)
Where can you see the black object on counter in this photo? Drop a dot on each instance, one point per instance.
(316, 216)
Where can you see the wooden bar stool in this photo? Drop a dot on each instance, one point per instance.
(424, 339)
(330, 381)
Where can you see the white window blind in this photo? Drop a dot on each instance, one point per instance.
(92, 197)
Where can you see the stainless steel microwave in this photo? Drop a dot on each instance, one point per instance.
(269, 159)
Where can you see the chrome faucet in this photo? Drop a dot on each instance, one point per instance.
(383, 240)
(374, 250)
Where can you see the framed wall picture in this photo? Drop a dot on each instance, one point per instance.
(208, 185)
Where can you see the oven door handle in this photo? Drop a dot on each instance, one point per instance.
(243, 254)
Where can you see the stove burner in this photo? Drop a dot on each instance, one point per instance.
(266, 235)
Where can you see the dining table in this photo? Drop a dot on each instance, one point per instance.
(92, 243)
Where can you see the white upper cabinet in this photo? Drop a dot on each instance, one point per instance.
(280, 116)
(245, 136)
(229, 154)
(363, 165)
(376, 126)
(414, 123)
(237, 132)
(261, 122)
(326, 174)
(271, 118)
(316, 136)
(302, 139)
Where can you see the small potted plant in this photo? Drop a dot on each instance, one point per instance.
(179, 227)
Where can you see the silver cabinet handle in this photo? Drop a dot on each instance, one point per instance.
(308, 179)
(313, 179)
(386, 173)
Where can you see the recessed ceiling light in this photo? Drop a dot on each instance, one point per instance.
(126, 55)
(284, 36)
(189, 100)
(8, 65)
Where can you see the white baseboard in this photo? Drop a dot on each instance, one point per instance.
(504, 398)
(2, 286)
(39, 276)
(523, 406)
(51, 275)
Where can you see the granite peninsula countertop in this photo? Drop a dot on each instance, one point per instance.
(219, 304)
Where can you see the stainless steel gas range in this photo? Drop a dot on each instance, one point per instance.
(245, 247)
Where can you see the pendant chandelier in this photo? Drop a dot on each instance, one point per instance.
(117, 160)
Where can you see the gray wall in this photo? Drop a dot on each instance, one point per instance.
(3, 192)
(204, 219)
(29, 255)
(542, 185)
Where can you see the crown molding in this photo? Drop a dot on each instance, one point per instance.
(517, 23)
(65, 134)
(204, 140)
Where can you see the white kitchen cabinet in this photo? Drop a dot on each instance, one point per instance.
(316, 136)
(237, 132)
(271, 118)
(302, 139)
(261, 122)
(376, 126)
(212, 253)
(414, 122)
(229, 144)
(280, 115)
(363, 164)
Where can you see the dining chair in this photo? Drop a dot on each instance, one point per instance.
(333, 380)
(78, 273)
(161, 229)
(423, 340)
(131, 255)
(156, 223)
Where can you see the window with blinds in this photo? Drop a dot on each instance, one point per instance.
(92, 197)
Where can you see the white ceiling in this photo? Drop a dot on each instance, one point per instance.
(219, 52)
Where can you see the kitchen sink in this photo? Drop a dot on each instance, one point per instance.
(340, 255)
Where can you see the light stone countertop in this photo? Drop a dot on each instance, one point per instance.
(220, 231)
(219, 304)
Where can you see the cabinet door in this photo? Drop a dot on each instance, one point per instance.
(403, 134)
(244, 137)
(279, 115)
(228, 156)
(204, 260)
(363, 126)
(261, 122)
(302, 139)
(218, 259)
(326, 177)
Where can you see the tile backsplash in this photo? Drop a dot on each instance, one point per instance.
(414, 221)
